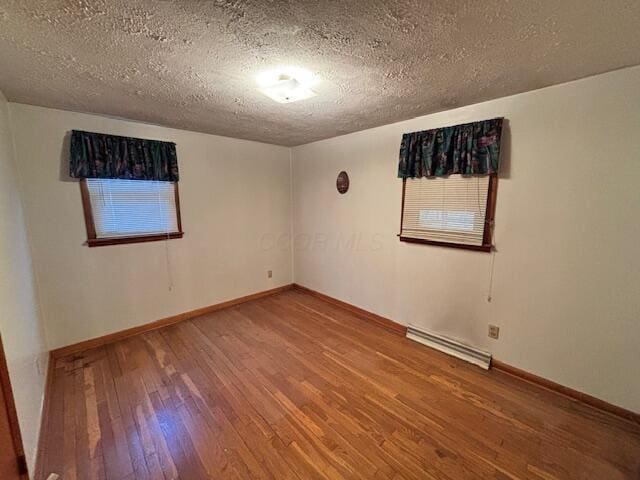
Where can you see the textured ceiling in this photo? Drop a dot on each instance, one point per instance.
(192, 64)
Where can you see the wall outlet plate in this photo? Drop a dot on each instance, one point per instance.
(494, 331)
(269, 273)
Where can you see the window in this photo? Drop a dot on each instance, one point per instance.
(129, 211)
(454, 211)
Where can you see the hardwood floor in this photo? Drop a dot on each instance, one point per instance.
(291, 387)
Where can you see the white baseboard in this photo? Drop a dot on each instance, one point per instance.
(450, 347)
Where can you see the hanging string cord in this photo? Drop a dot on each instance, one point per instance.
(491, 269)
(443, 222)
(166, 243)
(168, 257)
(491, 266)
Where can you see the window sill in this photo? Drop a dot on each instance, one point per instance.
(477, 248)
(102, 242)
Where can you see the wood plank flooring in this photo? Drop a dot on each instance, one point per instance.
(291, 387)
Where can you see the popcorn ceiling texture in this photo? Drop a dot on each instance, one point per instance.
(192, 64)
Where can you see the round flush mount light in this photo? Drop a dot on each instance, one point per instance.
(287, 84)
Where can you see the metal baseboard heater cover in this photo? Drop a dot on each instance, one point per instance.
(450, 347)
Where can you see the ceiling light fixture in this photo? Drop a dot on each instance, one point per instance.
(287, 84)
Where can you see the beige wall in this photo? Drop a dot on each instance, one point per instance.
(20, 326)
(565, 278)
(566, 281)
(232, 194)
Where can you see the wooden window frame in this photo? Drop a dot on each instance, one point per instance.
(486, 246)
(94, 241)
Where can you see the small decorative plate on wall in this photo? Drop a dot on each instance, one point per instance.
(342, 183)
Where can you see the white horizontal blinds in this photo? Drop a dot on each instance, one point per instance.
(123, 208)
(446, 209)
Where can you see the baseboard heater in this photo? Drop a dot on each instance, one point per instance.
(450, 347)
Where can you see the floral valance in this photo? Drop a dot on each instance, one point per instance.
(96, 155)
(469, 149)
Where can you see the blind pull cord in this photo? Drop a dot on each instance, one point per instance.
(168, 257)
(166, 246)
(491, 269)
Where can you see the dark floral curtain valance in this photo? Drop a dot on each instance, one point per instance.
(468, 149)
(96, 155)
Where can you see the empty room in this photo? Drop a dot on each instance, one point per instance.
(263, 239)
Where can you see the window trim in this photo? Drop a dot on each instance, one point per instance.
(94, 241)
(486, 246)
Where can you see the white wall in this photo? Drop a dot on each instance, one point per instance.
(20, 326)
(566, 278)
(232, 194)
(566, 284)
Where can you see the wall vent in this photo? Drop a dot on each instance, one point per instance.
(450, 347)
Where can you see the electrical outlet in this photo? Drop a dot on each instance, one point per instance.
(269, 273)
(494, 331)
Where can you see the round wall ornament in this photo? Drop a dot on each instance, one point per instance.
(342, 183)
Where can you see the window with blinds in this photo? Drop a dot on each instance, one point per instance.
(131, 209)
(446, 210)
